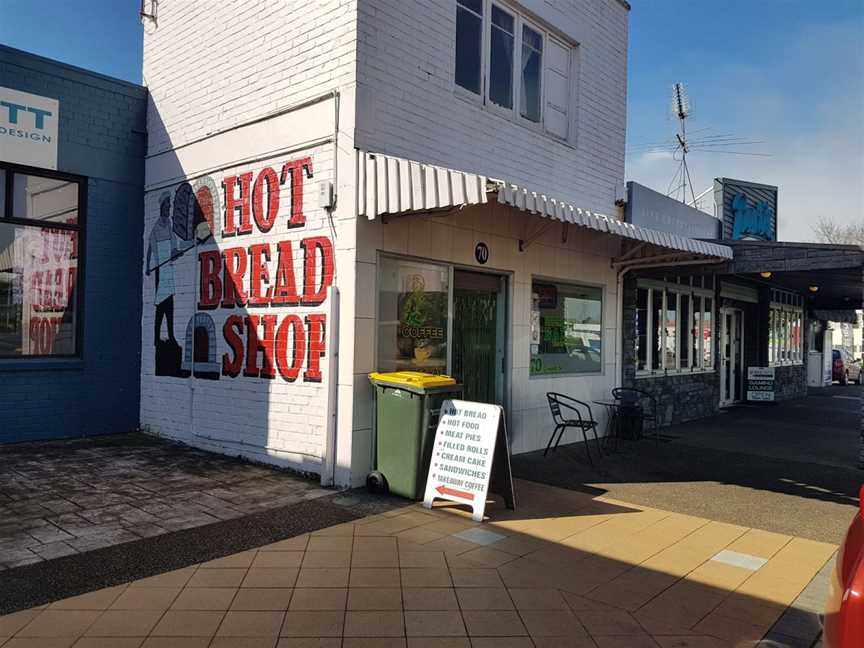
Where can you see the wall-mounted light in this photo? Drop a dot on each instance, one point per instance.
(813, 289)
(765, 275)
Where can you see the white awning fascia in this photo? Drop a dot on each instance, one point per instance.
(390, 185)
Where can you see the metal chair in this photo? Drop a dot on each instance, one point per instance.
(634, 396)
(562, 408)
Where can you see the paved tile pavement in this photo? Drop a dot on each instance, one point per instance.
(60, 498)
(566, 569)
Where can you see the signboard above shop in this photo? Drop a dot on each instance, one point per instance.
(28, 129)
(648, 208)
(748, 210)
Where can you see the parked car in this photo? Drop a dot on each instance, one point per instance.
(845, 367)
(844, 611)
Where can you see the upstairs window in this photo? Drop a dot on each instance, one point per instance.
(469, 37)
(514, 67)
(532, 70)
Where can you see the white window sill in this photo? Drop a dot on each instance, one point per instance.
(666, 374)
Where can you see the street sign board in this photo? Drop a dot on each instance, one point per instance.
(470, 445)
(760, 384)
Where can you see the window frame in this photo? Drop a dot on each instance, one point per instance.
(677, 287)
(11, 169)
(572, 284)
(785, 315)
(513, 114)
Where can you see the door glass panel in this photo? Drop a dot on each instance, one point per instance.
(476, 362)
(657, 329)
(412, 316)
(671, 325)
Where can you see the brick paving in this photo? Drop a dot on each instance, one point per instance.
(566, 569)
(60, 498)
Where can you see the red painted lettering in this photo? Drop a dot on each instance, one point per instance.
(211, 283)
(259, 273)
(295, 169)
(232, 284)
(316, 281)
(231, 331)
(317, 346)
(234, 202)
(298, 337)
(285, 291)
(265, 344)
(268, 180)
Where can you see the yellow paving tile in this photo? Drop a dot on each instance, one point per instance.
(700, 641)
(493, 623)
(124, 623)
(59, 623)
(429, 598)
(332, 598)
(175, 642)
(609, 622)
(375, 577)
(176, 578)
(229, 577)
(242, 559)
(446, 642)
(377, 598)
(538, 599)
(420, 535)
(328, 543)
(632, 589)
(552, 623)
(476, 577)
(323, 559)
(110, 642)
(425, 577)
(281, 578)
(482, 557)
(97, 600)
(373, 544)
(422, 559)
(373, 642)
(301, 623)
(374, 623)
(343, 530)
(204, 598)
(375, 558)
(433, 624)
(325, 577)
(268, 599)
(267, 559)
(297, 642)
(297, 543)
(756, 542)
(146, 598)
(719, 575)
(243, 623)
(12, 623)
(258, 642)
(188, 623)
(484, 598)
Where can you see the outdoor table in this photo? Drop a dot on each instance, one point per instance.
(612, 407)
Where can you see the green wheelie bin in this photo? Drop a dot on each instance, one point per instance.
(408, 405)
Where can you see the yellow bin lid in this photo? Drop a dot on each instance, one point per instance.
(413, 379)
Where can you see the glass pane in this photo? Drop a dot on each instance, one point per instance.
(412, 316)
(2, 193)
(501, 59)
(38, 274)
(532, 67)
(695, 328)
(570, 329)
(642, 329)
(671, 326)
(772, 336)
(657, 329)
(708, 334)
(474, 5)
(686, 332)
(44, 199)
(468, 40)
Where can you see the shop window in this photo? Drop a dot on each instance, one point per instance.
(40, 235)
(513, 66)
(412, 316)
(674, 325)
(785, 325)
(567, 329)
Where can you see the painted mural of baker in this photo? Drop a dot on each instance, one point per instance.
(162, 251)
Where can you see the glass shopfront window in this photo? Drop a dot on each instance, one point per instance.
(566, 329)
(412, 316)
(39, 264)
(785, 322)
(674, 325)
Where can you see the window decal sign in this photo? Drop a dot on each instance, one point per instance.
(760, 384)
(28, 128)
(257, 301)
(470, 449)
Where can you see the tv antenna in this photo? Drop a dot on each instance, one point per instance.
(681, 180)
(684, 144)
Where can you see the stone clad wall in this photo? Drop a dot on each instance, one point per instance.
(682, 397)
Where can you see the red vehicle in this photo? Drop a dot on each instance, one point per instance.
(844, 611)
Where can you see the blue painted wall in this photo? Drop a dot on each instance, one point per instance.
(102, 136)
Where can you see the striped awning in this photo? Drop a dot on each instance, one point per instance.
(390, 185)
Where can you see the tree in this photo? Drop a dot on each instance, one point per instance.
(827, 230)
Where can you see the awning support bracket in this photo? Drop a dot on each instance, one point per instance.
(531, 238)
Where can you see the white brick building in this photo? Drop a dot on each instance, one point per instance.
(408, 110)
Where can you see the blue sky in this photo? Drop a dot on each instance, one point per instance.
(789, 73)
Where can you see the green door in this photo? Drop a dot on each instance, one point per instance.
(479, 335)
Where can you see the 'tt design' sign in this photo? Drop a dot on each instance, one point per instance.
(28, 128)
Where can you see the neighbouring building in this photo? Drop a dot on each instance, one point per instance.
(71, 216)
(753, 328)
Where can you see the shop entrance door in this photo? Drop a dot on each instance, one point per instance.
(731, 355)
(479, 335)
